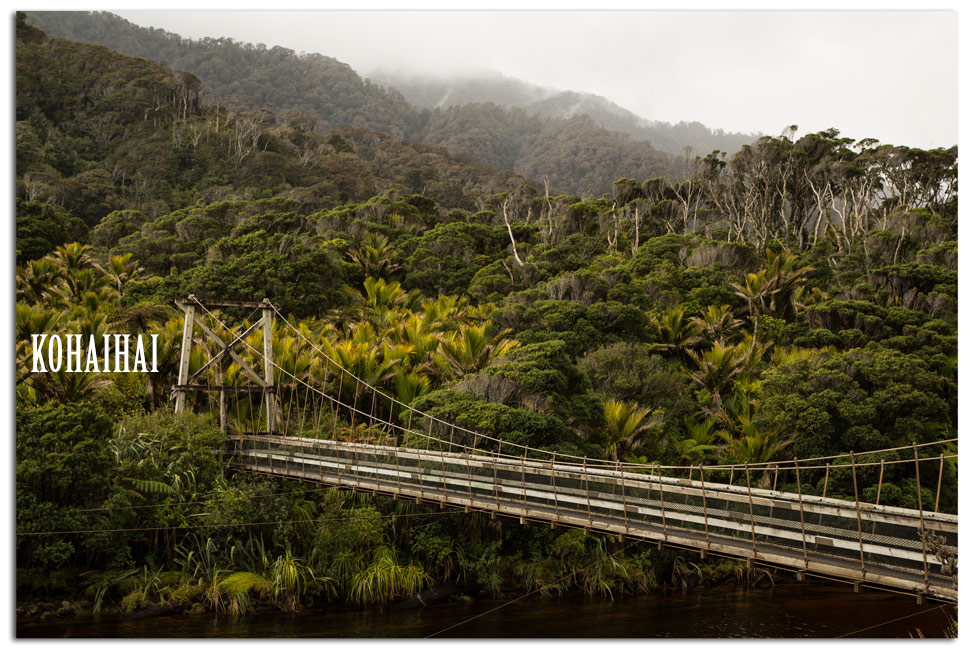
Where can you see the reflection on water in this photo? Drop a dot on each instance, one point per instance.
(809, 610)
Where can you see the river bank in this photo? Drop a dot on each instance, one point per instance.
(815, 609)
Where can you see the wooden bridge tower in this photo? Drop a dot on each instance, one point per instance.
(263, 384)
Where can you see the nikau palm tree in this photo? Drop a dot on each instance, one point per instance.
(626, 424)
(699, 441)
(775, 289)
(716, 323)
(675, 333)
(374, 255)
(721, 365)
(470, 349)
(121, 269)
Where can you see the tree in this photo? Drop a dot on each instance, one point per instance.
(626, 424)
(471, 349)
(699, 440)
(774, 289)
(41, 228)
(374, 255)
(122, 269)
(62, 468)
(716, 322)
(675, 332)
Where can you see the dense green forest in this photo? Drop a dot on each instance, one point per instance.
(795, 299)
(280, 80)
(576, 154)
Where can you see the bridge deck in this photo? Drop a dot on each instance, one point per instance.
(866, 544)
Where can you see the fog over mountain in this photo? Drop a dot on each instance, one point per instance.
(891, 75)
(571, 150)
(434, 92)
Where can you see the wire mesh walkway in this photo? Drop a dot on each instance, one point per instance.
(321, 423)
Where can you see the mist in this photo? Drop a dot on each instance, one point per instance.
(892, 75)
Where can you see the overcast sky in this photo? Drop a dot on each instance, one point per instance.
(886, 74)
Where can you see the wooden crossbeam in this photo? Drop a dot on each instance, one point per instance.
(206, 387)
(221, 303)
(224, 347)
(223, 352)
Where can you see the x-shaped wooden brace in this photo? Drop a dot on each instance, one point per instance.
(226, 349)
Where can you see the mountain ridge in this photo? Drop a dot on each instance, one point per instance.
(510, 92)
(575, 154)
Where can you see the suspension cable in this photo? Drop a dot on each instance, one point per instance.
(521, 447)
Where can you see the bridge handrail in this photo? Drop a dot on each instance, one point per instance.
(632, 479)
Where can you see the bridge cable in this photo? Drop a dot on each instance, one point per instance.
(374, 389)
(354, 410)
(393, 400)
(513, 444)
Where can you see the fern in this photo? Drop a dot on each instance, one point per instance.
(153, 487)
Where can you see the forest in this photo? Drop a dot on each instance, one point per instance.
(577, 154)
(797, 298)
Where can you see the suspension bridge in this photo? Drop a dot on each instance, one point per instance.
(316, 421)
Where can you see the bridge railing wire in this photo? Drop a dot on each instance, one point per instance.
(516, 449)
(759, 511)
(751, 521)
(448, 437)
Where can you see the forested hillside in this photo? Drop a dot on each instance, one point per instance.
(796, 299)
(576, 154)
(513, 93)
(99, 131)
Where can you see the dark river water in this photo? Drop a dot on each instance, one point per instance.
(809, 610)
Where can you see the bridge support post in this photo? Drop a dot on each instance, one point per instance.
(801, 513)
(662, 506)
(223, 396)
(588, 496)
(625, 507)
(856, 586)
(750, 507)
(706, 522)
(940, 477)
(855, 490)
(267, 314)
(184, 353)
(923, 532)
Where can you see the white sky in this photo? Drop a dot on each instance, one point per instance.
(892, 75)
